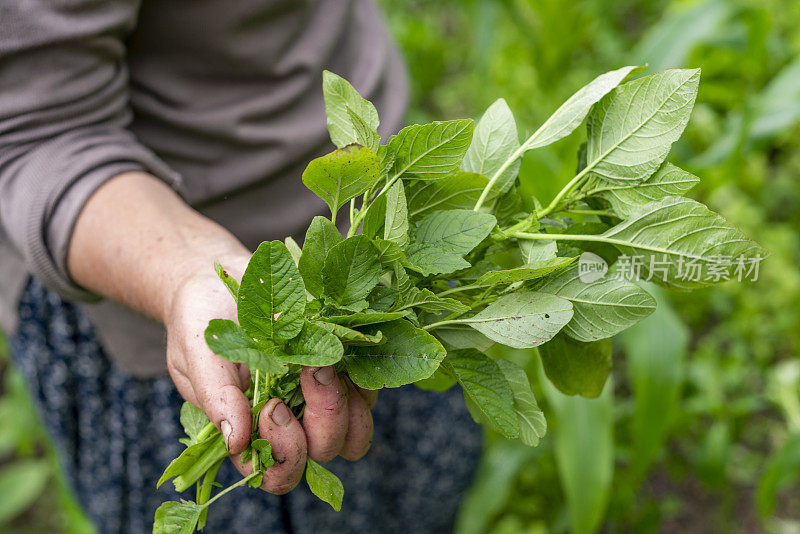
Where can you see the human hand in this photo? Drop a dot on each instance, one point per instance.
(336, 420)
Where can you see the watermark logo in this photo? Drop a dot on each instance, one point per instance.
(591, 267)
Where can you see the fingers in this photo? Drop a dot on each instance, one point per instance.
(284, 433)
(218, 390)
(326, 416)
(359, 426)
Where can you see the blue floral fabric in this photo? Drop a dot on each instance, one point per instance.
(116, 433)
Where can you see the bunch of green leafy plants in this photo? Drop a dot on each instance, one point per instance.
(448, 262)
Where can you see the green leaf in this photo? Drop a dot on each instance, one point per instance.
(530, 271)
(324, 484)
(669, 180)
(409, 354)
(389, 252)
(177, 517)
(426, 300)
(187, 459)
(339, 96)
(321, 236)
(438, 381)
(433, 259)
(485, 385)
(271, 298)
(532, 424)
(523, 319)
(342, 175)
(572, 112)
(351, 270)
(364, 134)
(455, 231)
(577, 368)
(494, 142)
(395, 228)
(21, 483)
(684, 242)
(535, 251)
(294, 249)
(459, 191)
(193, 420)
(230, 341)
(631, 130)
(375, 218)
(264, 450)
(365, 318)
(461, 336)
(352, 337)
(315, 346)
(430, 151)
(230, 282)
(601, 308)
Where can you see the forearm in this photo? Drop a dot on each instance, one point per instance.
(136, 241)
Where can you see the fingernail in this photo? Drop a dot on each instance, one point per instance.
(280, 414)
(225, 428)
(325, 375)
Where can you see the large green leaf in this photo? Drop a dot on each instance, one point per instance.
(577, 368)
(342, 175)
(342, 105)
(409, 354)
(324, 484)
(494, 142)
(230, 341)
(486, 386)
(523, 319)
(687, 245)
(321, 236)
(430, 151)
(177, 517)
(572, 112)
(271, 298)
(601, 308)
(532, 425)
(669, 180)
(529, 271)
(315, 346)
(456, 231)
(631, 130)
(351, 270)
(459, 191)
(395, 226)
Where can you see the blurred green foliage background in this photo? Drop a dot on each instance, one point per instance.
(699, 428)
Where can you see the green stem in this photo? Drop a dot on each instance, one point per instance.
(564, 192)
(242, 482)
(213, 454)
(206, 431)
(443, 323)
(204, 492)
(590, 212)
(496, 176)
(571, 237)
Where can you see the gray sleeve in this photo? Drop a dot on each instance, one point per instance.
(63, 123)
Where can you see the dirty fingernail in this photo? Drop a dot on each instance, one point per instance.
(325, 375)
(225, 428)
(280, 414)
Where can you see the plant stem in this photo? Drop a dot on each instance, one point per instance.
(485, 193)
(242, 482)
(564, 192)
(442, 323)
(570, 237)
(590, 212)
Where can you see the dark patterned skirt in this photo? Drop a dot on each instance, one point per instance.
(117, 433)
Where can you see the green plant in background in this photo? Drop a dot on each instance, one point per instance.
(30, 477)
